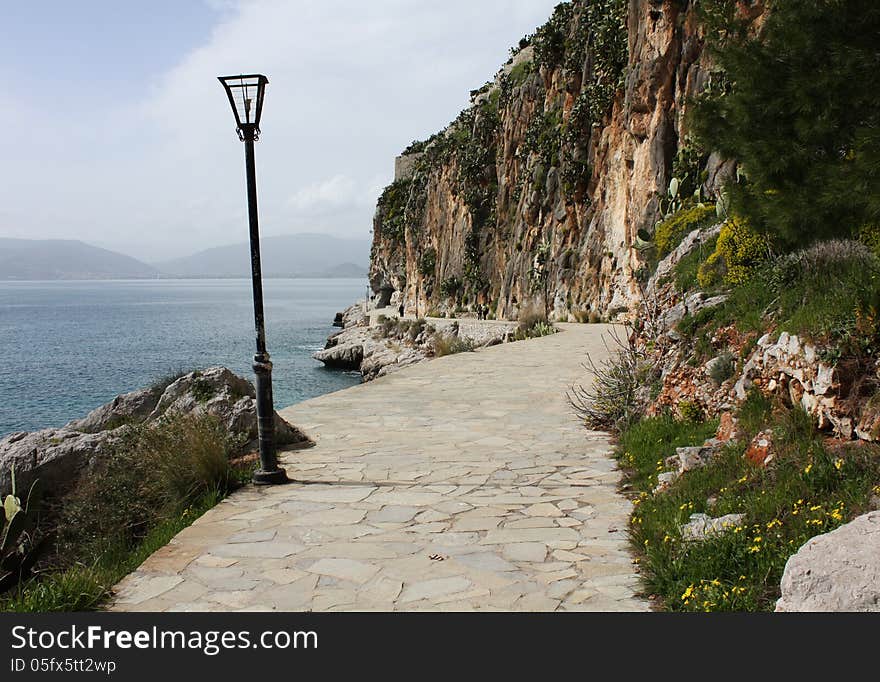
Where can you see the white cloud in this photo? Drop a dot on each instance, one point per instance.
(326, 195)
(351, 84)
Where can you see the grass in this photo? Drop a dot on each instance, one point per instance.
(84, 587)
(160, 383)
(450, 345)
(685, 271)
(828, 293)
(402, 329)
(806, 490)
(533, 323)
(643, 446)
(157, 479)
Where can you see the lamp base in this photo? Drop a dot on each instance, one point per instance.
(270, 477)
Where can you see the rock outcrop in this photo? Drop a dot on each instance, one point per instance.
(837, 571)
(536, 193)
(375, 351)
(57, 456)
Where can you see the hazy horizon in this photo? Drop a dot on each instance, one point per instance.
(124, 139)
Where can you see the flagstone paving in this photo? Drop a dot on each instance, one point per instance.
(463, 483)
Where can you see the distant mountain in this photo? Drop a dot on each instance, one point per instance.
(295, 255)
(66, 259)
(349, 270)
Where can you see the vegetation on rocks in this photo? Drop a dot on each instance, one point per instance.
(157, 479)
(669, 233)
(808, 488)
(798, 108)
(792, 103)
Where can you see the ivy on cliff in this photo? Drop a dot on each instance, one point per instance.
(580, 35)
(391, 209)
(550, 40)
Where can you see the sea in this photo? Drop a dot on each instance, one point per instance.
(67, 347)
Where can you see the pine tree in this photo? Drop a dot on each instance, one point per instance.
(797, 103)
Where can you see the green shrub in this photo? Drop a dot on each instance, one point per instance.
(869, 235)
(428, 262)
(671, 231)
(685, 271)
(391, 208)
(549, 39)
(796, 103)
(155, 471)
(519, 73)
(616, 398)
(806, 490)
(738, 253)
(533, 323)
(723, 368)
(450, 287)
(87, 580)
(529, 317)
(450, 345)
(691, 411)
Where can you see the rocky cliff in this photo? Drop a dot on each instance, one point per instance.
(535, 195)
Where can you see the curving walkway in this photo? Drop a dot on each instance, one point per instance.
(462, 483)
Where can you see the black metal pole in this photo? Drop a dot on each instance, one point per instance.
(269, 471)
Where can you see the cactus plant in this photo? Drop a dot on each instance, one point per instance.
(19, 544)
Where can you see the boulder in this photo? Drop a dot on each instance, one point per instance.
(345, 350)
(130, 408)
(837, 571)
(228, 397)
(57, 456)
(702, 526)
(665, 479)
(693, 457)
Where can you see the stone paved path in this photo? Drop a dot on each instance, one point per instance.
(463, 483)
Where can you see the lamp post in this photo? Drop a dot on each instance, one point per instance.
(246, 98)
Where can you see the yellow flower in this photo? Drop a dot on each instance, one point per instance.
(838, 463)
(808, 468)
(688, 593)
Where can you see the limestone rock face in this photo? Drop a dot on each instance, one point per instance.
(565, 214)
(837, 571)
(57, 456)
(129, 408)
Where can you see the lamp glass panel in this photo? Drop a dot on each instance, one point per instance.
(244, 94)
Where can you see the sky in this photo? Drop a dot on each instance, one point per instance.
(117, 132)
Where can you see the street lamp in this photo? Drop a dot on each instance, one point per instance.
(246, 98)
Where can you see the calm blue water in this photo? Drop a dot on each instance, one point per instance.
(67, 347)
